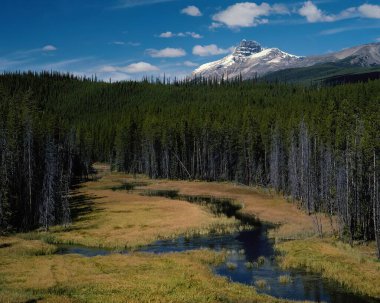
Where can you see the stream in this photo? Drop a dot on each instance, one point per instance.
(250, 259)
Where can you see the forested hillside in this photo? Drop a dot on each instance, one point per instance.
(39, 160)
(319, 146)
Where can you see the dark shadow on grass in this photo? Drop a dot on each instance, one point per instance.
(82, 205)
(128, 185)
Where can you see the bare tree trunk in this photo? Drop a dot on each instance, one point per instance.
(28, 158)
(376, 206)
(48, 202)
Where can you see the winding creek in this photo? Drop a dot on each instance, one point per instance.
(250, 259)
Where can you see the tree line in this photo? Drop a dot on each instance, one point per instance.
(319, 146)
(39, 161)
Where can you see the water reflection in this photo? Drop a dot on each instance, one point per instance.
(243, 247)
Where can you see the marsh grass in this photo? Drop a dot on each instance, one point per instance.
(22, 247)
(261, 283)
(118, 278)
(249, 265)
(231, 265)
(140, 220)
(285, 279)
(217, 205)
(261, 260)
(109, 218)
(336, 261)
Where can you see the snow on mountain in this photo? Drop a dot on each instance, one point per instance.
(250, 60)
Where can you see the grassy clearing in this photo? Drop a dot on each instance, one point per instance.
(184, 277)
(295, 235)
(356, 268)
(106, 215)
(118, 219)
(291, 222)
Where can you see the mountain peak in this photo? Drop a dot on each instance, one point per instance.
(250, 60)
(247, 48)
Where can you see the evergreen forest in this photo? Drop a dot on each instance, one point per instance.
(318, 145)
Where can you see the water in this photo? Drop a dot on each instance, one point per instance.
(243, 247)
(82, 250)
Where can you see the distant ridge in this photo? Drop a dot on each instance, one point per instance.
(250, 60)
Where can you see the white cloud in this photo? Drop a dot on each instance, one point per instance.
(65, 64)
(186, 34)
(194, 35)
(190, 64)
(118, 43)
(109, 76)
(215, 25)
(246, 14)
(6, 63)
(49, 48)
(140, 67)
(133, 3)
(280, 9)
(338, 30)
(167, 52)
(313, 14)
(192, 11)
(134, 68)
(167, 35)
(370, 11)
(108, 69)
(209, 50)
(134, 44)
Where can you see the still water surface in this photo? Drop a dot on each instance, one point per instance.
(243, 247)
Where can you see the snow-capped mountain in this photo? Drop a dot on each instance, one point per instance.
(366, 55)
(250, 60)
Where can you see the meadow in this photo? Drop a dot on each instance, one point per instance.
(108, 213)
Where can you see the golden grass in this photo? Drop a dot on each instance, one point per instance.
(297, 228)
(261, 283)
(285, 279)
(177, 277)
(126, 219)
(356, 268)
(118, 219)
(292, 222)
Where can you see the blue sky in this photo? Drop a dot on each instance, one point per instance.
(126, 39)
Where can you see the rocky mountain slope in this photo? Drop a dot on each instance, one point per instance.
(250, 60)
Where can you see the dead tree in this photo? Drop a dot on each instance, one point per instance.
(47, 206)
